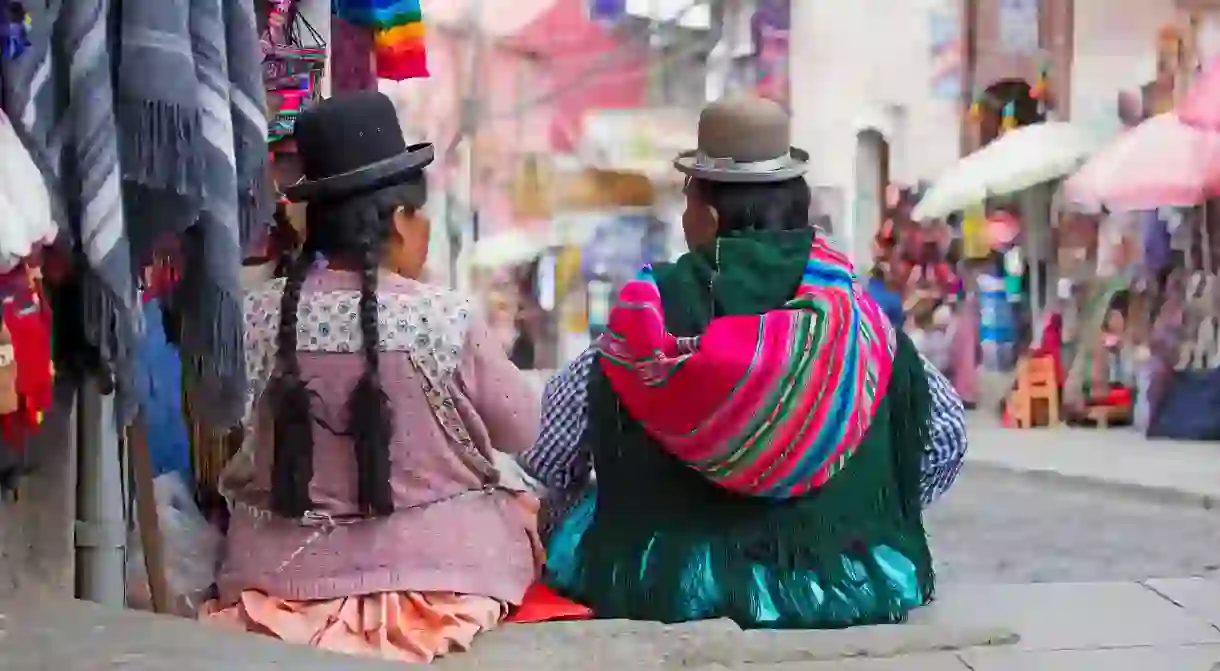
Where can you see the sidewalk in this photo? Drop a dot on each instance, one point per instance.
(1171, 624)
(1171, 471)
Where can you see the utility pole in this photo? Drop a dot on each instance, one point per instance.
(461, 150)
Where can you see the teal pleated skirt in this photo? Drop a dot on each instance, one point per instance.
(797, 600)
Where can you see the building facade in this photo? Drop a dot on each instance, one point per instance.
(881, 88)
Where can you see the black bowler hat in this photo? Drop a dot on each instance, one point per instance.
(352, 144)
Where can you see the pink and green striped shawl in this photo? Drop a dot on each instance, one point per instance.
(767, 405)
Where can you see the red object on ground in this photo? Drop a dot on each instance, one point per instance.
(1118, 397)
(540, 604)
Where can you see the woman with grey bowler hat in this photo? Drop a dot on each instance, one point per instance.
(763, 438)
(366, 514)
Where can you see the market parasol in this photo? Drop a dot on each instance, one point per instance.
(510, 248)
(1200, 108)
(1019, 159)
(1160, 163)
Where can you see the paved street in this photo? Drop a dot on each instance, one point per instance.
(995, 527)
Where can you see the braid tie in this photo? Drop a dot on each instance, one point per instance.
(292, 467)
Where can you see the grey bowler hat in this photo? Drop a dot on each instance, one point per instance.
(743, 139)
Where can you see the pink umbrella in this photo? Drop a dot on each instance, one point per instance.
(1161, 162)
(1201, 106)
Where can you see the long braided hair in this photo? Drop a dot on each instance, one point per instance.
(354, 230)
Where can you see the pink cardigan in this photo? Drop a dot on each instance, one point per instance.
(449, 532)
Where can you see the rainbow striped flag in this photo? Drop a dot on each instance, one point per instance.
(399, 41)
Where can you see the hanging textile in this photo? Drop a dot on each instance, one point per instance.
(975, 241)
(27, 375)
(294, 61)
(24, 201)
(170, 142)
(352, 63)
(399, 41)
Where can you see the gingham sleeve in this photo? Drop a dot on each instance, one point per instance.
(558, 459)
(942, 459)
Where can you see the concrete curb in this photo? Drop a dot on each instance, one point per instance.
(715, 644)
(1150, 493)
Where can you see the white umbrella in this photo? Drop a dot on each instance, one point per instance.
(1019, 159)
(509, 248)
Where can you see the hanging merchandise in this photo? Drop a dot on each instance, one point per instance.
(16, 31)
(976, 243)
(1009, 121)
(1040, 90)
(975, 113)
(294, 61)
(399, 43)
(27, 330)
(352, 66)
(10, 402)
(25, 205)
(1014, 274)
(997, 323)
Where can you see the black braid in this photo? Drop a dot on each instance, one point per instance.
(370, 418)
(292, 468)
(354, 229)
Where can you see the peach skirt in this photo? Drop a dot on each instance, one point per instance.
(403, 626)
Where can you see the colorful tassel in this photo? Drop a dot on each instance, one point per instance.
(975, 112)
(1040, 91)
(1010, 117)
(399, 41)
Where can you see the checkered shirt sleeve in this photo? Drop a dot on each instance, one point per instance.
(557, 459)
(560, 462)
(942, 458)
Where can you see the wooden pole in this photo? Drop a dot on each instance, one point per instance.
(150, 523)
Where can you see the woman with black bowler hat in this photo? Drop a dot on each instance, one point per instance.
(367, 516)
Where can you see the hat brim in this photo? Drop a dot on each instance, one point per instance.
(795, 164)
(373, 176)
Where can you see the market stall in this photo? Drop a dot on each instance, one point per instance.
(137, 179)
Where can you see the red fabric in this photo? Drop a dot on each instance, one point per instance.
(540, 604)
(1052, 345)
(28, 324)
(1118, 397)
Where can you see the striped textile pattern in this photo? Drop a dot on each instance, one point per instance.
(399, 40)
(768, 405)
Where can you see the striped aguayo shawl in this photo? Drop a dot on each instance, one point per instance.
(768, 405)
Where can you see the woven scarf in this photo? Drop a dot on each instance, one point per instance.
(91, 185)
(158, 95)
(248, 99)
(174, 135)
(211, 285)
(769, 404)
(399, 42)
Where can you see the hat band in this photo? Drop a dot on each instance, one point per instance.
(367, 178)
(706, 162)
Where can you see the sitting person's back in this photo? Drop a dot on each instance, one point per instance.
(367, 515)
(759, 430)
